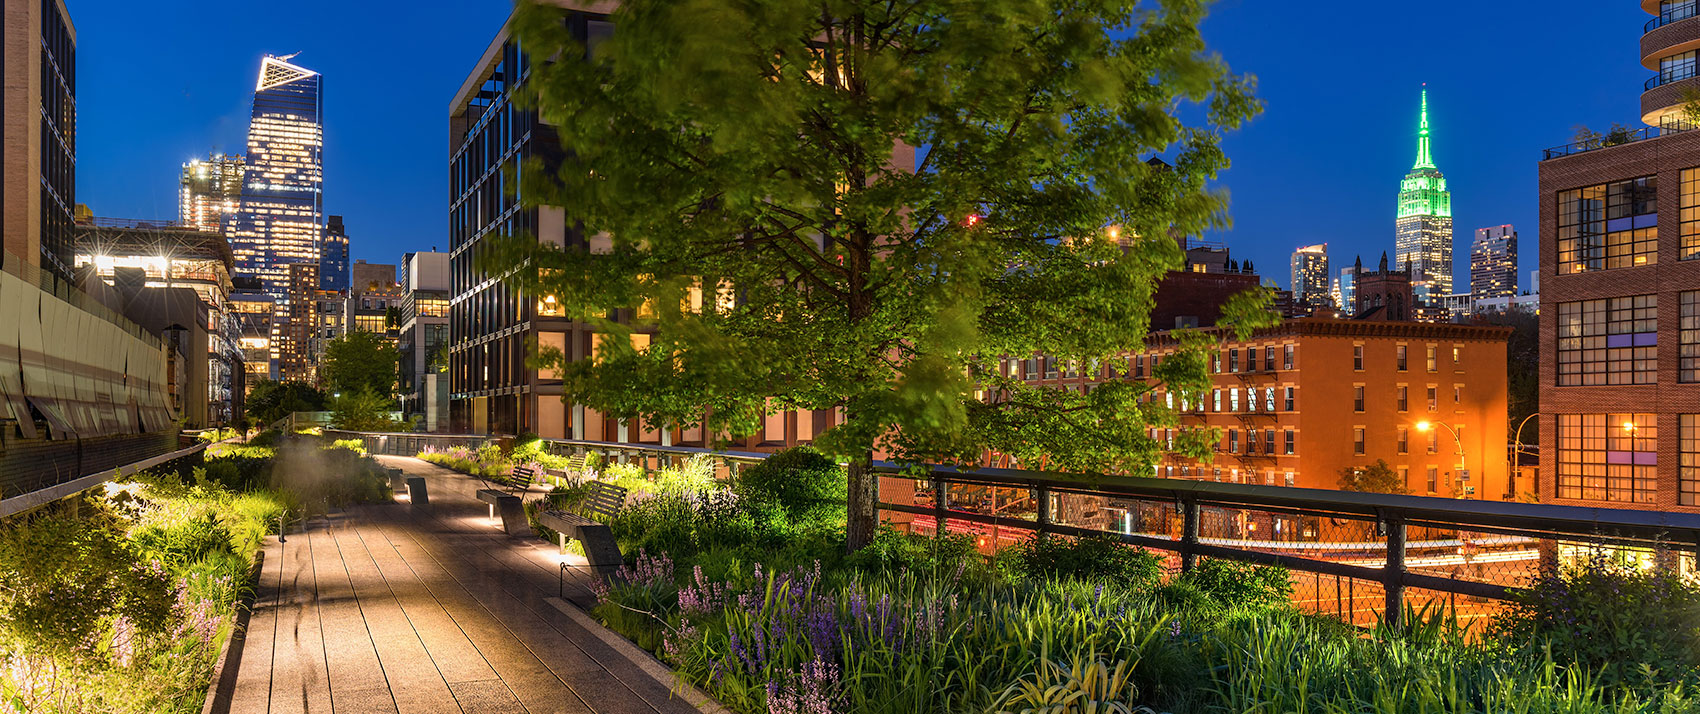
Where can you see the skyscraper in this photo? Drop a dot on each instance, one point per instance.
(210, 192)
(1423, 230)
(1493, 263)
(1310, 279)
(1346, 289)
(279, 218)
(333, 257)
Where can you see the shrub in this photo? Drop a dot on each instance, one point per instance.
(1607, 614)
(183, 537)
(895, 552)
(695, 476)
(807, 486)
(659, 524)
(1094, 558)
(357, 446)
(62, 579)
(530, 449)
(593, 461)
(1235, 584)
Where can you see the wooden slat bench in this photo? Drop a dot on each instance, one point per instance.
(600, 548)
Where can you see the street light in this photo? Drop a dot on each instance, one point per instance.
(1463, 475)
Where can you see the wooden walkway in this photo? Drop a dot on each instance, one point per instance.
(389, 608)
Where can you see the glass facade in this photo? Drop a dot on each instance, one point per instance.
(210, 192)
(279, 220)
(333, 257)
(58, 156)
(1493, 263)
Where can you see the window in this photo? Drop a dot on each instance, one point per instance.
(1269, 358)
(1358, 440)
(1269, 399)
(1234, 359)
(1433, 398)
(1269, 438)
(1050, 367)
(1358, 398)
(1433, 479)
(1404, 398)
(1433, 440)
(1358, 357)
(1032, 367)
(1404, 440)
(1289, 448)
(1432, 366)
(1234, 399)
(1688, 465)
(1688, 339)
(1251, 441)
(1607, 457)
(1610, 341)
(1217, 397)
(1405, 476)
(1457, 355)
(1689, 226)
(1233, 441)
(1288, 400)
(1139, 365)
(1400, 361)
(1676, 67)
(1288, 479)
(1216, 362)
(1624, 234)
(1457, 395)
(1286, 356)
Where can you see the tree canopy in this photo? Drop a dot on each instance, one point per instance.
(359, 361)
(269, 401)
(1373, 478)
(864, 205)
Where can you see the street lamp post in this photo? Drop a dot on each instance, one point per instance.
(1517, 450)
(1461, 475)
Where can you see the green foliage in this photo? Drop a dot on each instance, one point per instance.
(709, 178)
(269, 401)
(806, 487)
(63, 579)
(362, 410)
(532, 450)
(1233, 584)
(359, 362)
(1102, 558)
(357, 446)
(895, 552)
(1607, 615)
(1374, 478)
(593, 461)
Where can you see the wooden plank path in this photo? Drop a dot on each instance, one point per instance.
(391, 609)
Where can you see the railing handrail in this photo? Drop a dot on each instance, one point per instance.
(1679, 12)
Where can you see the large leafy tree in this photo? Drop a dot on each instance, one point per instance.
(269, 401)
(360, 361)
(862, 205)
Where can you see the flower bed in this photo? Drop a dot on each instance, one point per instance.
(768, 616)
(124, 603)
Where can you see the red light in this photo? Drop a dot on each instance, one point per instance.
(972, 220)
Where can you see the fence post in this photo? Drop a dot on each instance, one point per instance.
(1044, 508)
(1189, 534)
(941, 494)
(1393, 574)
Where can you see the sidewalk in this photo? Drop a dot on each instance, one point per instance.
(385, 608)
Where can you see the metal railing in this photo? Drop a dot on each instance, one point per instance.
(1384, 544)
(1618, 138)
(1679, 12)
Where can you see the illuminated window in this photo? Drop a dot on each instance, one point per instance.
(1689, 223)
(1607, 226)
(1611, 341)
(1688, 466)
(1607, 457)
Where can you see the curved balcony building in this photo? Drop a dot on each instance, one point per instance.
(1670, 47)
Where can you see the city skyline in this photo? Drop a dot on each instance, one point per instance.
(385, 175)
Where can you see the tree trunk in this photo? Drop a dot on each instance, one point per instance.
(861, 518)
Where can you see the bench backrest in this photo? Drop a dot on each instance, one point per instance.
(604, 499)
(524, 476)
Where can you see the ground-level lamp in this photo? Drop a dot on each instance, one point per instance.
(1462, 472)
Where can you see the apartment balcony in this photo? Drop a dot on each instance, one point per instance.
(1663, 95)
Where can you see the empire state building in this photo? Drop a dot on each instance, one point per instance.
(1423, 231)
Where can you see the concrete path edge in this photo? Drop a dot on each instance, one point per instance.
(640, 657)
(238, 630)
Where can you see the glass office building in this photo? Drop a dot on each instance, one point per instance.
(280, 217)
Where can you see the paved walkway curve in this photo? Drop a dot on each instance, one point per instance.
(395, 609)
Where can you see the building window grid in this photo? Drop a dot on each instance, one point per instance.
(1613, 341)
(1688, 338)
(1688, 463)
(1623, 235)
(1688, 225)
(1607, 457)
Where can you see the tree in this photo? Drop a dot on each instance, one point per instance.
(269, 401)
(360, 361)
(362, 411)
(1522, 379)
(743, 172)
(1374, 478)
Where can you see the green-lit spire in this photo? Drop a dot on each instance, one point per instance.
(1424, 161)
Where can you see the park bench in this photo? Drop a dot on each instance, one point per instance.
(600, 548)
(507, 501)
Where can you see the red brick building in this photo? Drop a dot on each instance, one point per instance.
(1620, 300)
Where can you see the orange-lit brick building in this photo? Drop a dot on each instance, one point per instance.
(1299, 402)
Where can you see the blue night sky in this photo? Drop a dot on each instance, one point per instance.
(159, 86)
